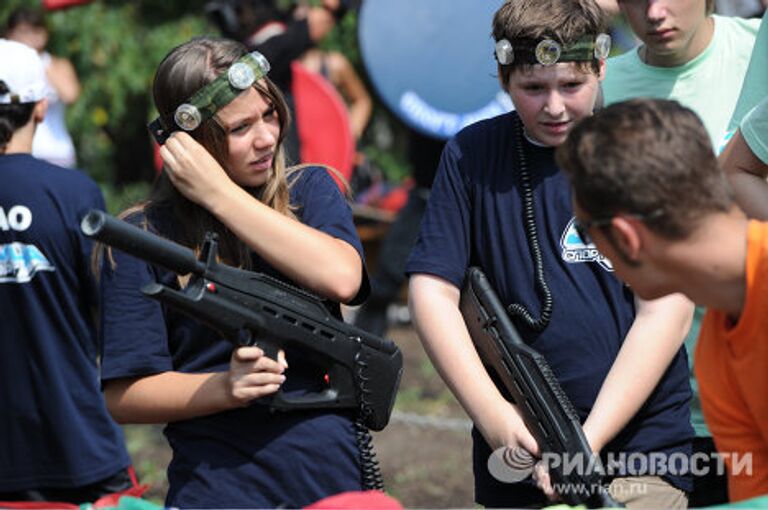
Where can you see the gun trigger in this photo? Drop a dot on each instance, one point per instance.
(491, 322)
(245, 337)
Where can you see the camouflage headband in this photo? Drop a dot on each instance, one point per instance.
(204, 103)
(548, 52)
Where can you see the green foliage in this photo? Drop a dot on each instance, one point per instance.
(120, 198)
(115, 47)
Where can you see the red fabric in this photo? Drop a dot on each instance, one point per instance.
(52, 5)
(370, 500)
(158, 161)
(136, 490)
(324, 132)
(52, 505)
(108, 501)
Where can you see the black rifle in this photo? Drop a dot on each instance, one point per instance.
(249, 308)
(546, 410)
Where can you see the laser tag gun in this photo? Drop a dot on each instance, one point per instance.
(546, 410)
(249, 308)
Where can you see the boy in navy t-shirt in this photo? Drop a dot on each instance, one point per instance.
(500, 202)
(57, 439)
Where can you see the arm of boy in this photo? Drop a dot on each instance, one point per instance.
(747, 176)
(335, 271)
(434, 304)
(174, 396)
(653, 340)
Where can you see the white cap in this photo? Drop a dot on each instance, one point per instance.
(22, 71)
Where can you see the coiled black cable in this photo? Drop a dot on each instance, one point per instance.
(517, 310)
(369, 464)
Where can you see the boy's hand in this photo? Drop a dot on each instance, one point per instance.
(253, 375)
(544, 482)
(516, 434)
(541, 472)
(193, 170)
(509, 437)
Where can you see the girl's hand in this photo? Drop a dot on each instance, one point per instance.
(193, 171)
(253, 375)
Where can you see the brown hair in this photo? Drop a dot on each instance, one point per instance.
(643, 156)
(185, 70)
(26, 16)
(565, 21)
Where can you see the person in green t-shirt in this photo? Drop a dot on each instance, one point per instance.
(755, 85)
(687, 54)
(745, 161)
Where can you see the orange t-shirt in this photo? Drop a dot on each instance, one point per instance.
(732, 371)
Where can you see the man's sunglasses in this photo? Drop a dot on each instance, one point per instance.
(582, 226)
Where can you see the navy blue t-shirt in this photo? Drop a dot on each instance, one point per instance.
(475, 216)
(249, 457)
(55, 431)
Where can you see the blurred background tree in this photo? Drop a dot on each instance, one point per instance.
(115, 47)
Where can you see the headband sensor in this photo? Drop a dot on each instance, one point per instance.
(549, 52)
(204, 103)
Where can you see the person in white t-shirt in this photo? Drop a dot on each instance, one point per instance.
(52, 141)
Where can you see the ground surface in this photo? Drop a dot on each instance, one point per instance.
(424, 453)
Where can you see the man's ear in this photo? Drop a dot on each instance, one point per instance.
(41, 108)
(504, 86)
(601, 74)
(627, 236)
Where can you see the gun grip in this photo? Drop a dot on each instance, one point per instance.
(270, 349)
(245, 337)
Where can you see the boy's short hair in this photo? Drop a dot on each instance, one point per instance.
(650, 157)
(565, 21)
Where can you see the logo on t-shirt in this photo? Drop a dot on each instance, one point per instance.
(575, 251)
(20, 262)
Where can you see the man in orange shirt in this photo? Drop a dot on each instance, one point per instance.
(648, 192)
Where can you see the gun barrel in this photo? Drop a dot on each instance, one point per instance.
(140, 243)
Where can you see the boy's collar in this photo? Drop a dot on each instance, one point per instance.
(533, 141)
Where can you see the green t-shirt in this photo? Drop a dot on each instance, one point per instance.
(754, 128)
(709, 84)
(755, 86)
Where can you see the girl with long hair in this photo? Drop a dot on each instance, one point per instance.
(225, 172)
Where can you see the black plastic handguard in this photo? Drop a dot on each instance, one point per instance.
(547, 412)
(249, 308)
